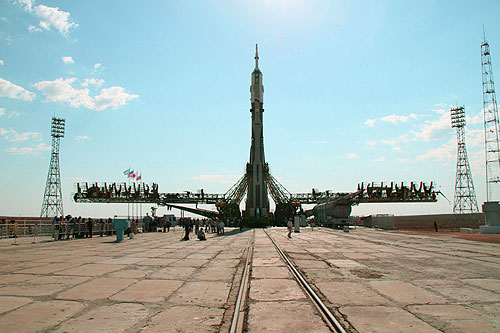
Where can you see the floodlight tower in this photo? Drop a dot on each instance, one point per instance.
(491, 126)
(52, 199)
(465, 195)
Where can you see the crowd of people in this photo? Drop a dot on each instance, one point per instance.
(69, 227)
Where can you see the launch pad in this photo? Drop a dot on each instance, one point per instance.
(258, 184)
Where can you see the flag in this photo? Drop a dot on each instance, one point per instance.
(138, 177)
(126, 172)
(130, 174)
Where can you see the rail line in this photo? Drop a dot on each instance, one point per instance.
(237, 324)
(330, 319)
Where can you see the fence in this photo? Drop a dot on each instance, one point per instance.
(25, 228)
(44, 228)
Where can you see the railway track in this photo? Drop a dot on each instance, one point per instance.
(329, 318)
(238, 319)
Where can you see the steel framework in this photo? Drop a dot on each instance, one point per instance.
(52, 199)
(465, 195)
(491, 126)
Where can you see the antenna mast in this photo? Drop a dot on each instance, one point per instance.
(491, 126)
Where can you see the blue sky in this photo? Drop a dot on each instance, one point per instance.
(355, 91)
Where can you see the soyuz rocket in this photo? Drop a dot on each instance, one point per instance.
(257, 196)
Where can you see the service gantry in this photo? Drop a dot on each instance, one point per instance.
(257, 184)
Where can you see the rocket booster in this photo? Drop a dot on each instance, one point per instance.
(257, 88)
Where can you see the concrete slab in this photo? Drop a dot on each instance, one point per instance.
(271, 272)
(406, 293)
(173, 273)
(96, 289)
(275, 261)
(225, 274)
(290, 316)
(385, 319)
(350, 293)
(42, 316)
(202, 293)
(185, 319)
(275, 290)
(344, 263)
(457, 291)
(8, 303)
(91, 270)
(133, 272)
(490, 284)
(107, 318)
(148, 291)
(457, 318)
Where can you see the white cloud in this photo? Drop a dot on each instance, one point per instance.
(61, 90)
(68, 60)
(1, 62)
(380, 159)
(10, 90)
(371, 143)
(443, 153)
(473, 120)
(29, 150)
(391, 142)
(220, 179)
(370, 122)
(6, 38)
(404, 160)
(2, 111)
(395, 119)
(14, 114)
(53, 17)
(27, 5)
(113, 97)
(81, 137)
(13, 136)
(92, 81)
(351, 156)
(32, 28)
(435, 129)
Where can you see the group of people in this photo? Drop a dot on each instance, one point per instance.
(66, 227)
(152, 224)
(201, 227)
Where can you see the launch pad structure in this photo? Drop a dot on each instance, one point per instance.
(258, 184)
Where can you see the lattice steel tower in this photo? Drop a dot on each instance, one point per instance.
(52, 199)
(465, 195)
(491, 126)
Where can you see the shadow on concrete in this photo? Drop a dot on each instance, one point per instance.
(233, 232)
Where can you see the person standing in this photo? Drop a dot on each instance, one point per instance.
(101, 227)
(289, 226)
(55, 228)
(90, 225)
(186, 226)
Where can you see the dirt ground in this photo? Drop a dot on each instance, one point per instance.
(488, 238)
